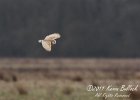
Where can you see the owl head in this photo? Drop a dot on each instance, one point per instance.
(39, 41)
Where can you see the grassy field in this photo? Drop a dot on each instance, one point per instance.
(67, 79)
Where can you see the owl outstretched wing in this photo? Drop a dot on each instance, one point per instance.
(46, 45)
(52, 36)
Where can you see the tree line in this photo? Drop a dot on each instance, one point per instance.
(89, 28)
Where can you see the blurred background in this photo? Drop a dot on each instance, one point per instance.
(89, 28)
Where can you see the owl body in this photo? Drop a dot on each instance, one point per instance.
(49, 41)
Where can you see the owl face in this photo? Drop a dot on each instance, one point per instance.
(39, 41)
(49, 40)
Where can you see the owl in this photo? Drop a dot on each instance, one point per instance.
(49, 41)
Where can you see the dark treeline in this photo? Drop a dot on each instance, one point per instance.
(89, 28)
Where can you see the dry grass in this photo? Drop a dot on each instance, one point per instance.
(14, 77)
(67, 90)
(21, 88)
(63, 79)
(5, 76)
(135, 95)
(8, 76)
(77, 78)
(94, 83)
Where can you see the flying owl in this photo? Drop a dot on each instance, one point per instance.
(49, 41)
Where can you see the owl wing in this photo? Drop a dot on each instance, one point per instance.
(46, 45)
(52, 36)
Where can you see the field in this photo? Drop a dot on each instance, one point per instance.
(68, 79)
